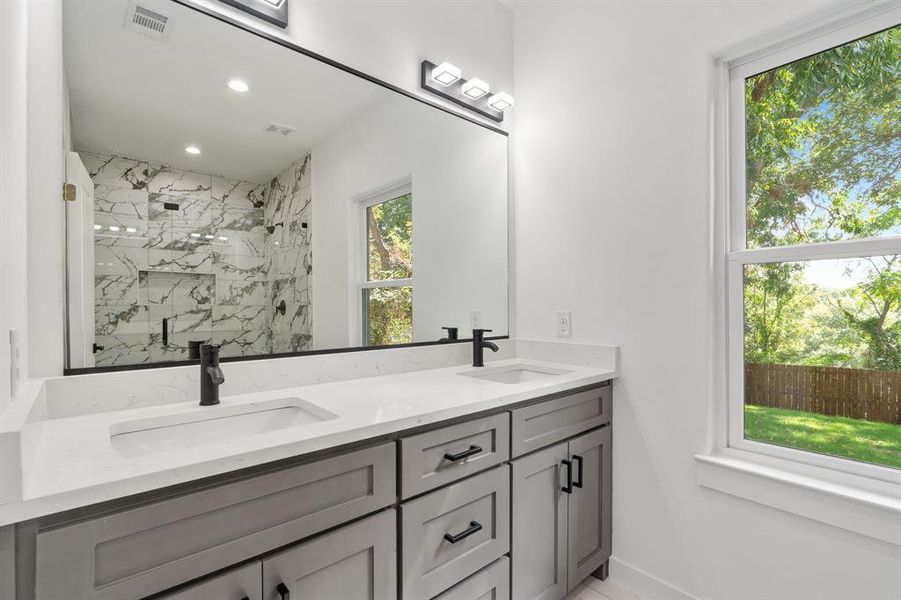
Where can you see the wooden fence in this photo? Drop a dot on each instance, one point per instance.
(854, 393)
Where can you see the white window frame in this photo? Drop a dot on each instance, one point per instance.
(360, 254)
(857, 496)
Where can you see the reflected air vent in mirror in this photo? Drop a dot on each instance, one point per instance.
(279, 128)
(148, 23)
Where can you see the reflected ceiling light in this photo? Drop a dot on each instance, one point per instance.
(192, 150)
(222, 238)
(476, 88)
(500, 101)
(98, 227)
(238, 86)
(209, 237)
(195, 235)
(446, 73)
(130, 229)
(114, 228)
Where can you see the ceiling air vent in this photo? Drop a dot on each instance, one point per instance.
(148, 23)
(282, 129)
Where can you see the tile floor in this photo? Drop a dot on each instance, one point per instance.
(588, 590)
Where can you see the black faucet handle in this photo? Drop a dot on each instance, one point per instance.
(452, 333)
(481, 331)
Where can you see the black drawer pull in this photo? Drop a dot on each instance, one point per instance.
(474, 526)
(461, 455)
(283, 591)
(578, 483)
(568, 488)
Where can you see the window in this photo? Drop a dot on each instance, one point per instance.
(814, 251)
(386, 289)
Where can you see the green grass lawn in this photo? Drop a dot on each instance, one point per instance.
(856, 439)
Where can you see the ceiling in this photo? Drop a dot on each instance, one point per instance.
(148, 99)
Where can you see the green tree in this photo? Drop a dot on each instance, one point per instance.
(823, 150)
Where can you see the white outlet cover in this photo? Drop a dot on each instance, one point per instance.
(564, 324)
(475, 319)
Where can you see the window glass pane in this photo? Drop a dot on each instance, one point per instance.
(388, 317)
(823, 356)
(390, 239)
(823, 146)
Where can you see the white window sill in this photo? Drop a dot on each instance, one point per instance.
(796, 488)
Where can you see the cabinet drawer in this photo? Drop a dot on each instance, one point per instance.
(491, 583)
(539, 425)
(235, 584)
(142, 551)
(431, 561)
(430, 459)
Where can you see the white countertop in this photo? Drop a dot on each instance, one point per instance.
(71, 462)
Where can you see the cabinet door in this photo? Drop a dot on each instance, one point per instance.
(241, 583)
(539, 525)
(589, 504)
(355, 562)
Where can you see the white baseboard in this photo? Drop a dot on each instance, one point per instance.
(629, 583)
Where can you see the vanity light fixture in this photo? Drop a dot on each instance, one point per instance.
(222, 238)
(445, 80)
(192, 150)
(238, 86)
(446, 73)
(475, 88)
(209, 237)
(500, 101)
(130, 229)
(98, 227)
(114, 228)
(195, 235)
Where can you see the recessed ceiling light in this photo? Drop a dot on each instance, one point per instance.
(476, 88)
(446, 73)
(238, 85)
(500, 101)
(192, 150)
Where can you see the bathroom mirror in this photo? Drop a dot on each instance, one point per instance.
(228, 188)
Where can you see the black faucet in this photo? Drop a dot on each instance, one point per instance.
(211, 376)
(478, 345)
(452, 335)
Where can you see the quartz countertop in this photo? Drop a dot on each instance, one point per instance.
(70, 462)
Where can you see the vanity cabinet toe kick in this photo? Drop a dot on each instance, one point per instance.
(427, 514)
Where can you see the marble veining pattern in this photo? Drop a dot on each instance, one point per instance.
(212, 255)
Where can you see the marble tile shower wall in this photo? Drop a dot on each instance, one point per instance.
(202, 252)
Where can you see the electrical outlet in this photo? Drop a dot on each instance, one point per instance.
(475, 319)
(564, 324)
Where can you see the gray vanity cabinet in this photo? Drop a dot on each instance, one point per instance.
(355, 562)
(241, 583)
(560, 536)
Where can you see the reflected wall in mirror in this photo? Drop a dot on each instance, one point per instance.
(233, 190)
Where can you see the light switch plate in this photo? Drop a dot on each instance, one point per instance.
(564, 324)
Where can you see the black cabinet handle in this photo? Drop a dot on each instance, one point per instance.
(568, 488)
(461, 455)
(578, 483)
(283, 591)
(474, 526)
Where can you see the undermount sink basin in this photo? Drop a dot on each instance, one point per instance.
(213, 424)
(514, 374)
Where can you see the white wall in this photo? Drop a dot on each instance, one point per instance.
(13, 188)
(389, 38)
(459, 176)
(612, 221)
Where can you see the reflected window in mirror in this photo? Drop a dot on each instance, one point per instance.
(387, 291)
